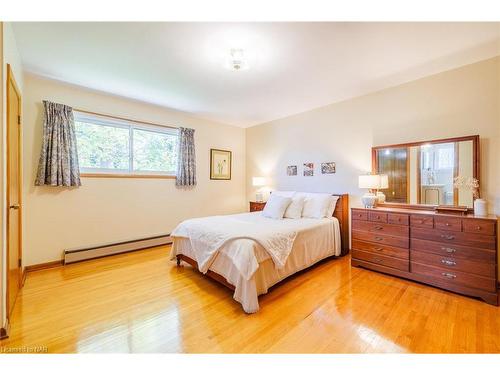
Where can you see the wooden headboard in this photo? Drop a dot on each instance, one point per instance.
(342, 214)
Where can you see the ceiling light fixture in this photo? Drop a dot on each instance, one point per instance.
(236, 60)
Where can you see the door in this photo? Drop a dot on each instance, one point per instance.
(394, 163)
(14, 250)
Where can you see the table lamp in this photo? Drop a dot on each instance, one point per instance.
(259, 181)
(372, 183)
(384, 184)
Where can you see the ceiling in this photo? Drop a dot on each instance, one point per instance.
(294, 67)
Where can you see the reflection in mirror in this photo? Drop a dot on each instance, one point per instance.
(425, 174)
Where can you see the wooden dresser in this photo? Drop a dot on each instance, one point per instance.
(456, 253)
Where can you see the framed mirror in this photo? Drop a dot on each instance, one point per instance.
(426, 173)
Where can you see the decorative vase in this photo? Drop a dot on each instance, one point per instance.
(480, 207)
(369, 200)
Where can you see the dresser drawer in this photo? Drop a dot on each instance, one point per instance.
(401, 219)
(391, 229)
(379, 217)
(455, 238)
(359, 214)
(448, 223)
(480, 226)
(381, 249)
(454, 277)
(421, 221)
(453, 251)
(381, 239)
(399, 264)
(454, 264)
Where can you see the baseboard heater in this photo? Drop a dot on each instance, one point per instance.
(85, 253)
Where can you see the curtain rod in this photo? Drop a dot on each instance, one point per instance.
(123, 118)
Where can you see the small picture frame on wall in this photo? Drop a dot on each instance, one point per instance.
(220, 164)
(308, 169)
(291, 170)
(328, 168)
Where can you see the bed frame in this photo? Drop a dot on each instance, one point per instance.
(341, 213)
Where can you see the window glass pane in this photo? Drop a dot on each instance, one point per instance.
(446, 158)
(102, 146)
(154, 151)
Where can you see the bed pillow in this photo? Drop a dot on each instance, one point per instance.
(294, 210)
(316, 205)
(276, 206)
(331, 206)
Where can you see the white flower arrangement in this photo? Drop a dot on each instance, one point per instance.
(467, 183)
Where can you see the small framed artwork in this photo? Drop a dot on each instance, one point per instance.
(328, 168)
(291, 170)
(220, 164)
(308, 169)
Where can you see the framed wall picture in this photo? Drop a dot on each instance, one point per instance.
(220, 164)
(291, 170)
(328, 168)
(308, 169)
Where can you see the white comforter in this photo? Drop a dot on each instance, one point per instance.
(208, 235)
(247, 265)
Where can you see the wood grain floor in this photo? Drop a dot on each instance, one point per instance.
(141, 302)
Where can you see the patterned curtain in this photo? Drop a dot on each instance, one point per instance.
(186, 165)
(58, 165)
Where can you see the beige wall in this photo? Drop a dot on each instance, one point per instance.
(10, 56)
(113, 209)
(458, 102)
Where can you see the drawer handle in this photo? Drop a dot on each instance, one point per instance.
(448, 262)
(378, 227)
(447, 236)
(378, 248)
(378, 238)
(447, 224)
(449, 275)
(448, 249)
(378, 260)
(478, 228)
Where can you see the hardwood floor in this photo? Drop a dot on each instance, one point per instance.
(141, 302)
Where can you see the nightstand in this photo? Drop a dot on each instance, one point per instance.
(257, 206)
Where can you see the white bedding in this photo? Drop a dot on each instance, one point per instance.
(248, 263)
(208, 234)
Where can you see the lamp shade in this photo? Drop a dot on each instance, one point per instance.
(384, 181)
(369, 181)
(258, 181)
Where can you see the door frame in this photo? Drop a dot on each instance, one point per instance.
(11, 80)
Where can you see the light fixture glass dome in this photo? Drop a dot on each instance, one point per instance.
(236, 60)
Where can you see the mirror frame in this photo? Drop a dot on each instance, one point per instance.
(420, 206)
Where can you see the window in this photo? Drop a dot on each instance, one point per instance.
(446, 158)
(111, 146)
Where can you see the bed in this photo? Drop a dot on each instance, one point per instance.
(244, 263)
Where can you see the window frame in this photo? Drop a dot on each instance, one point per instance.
(130, 125)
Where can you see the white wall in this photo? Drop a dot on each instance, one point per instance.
(10, 56)
(458, 102)
(113, 209)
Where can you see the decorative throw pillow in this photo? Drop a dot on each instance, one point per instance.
(276, 206)
(294, 210)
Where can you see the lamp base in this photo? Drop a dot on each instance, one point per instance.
(259, 197)
(369, 200)
(380, 197)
